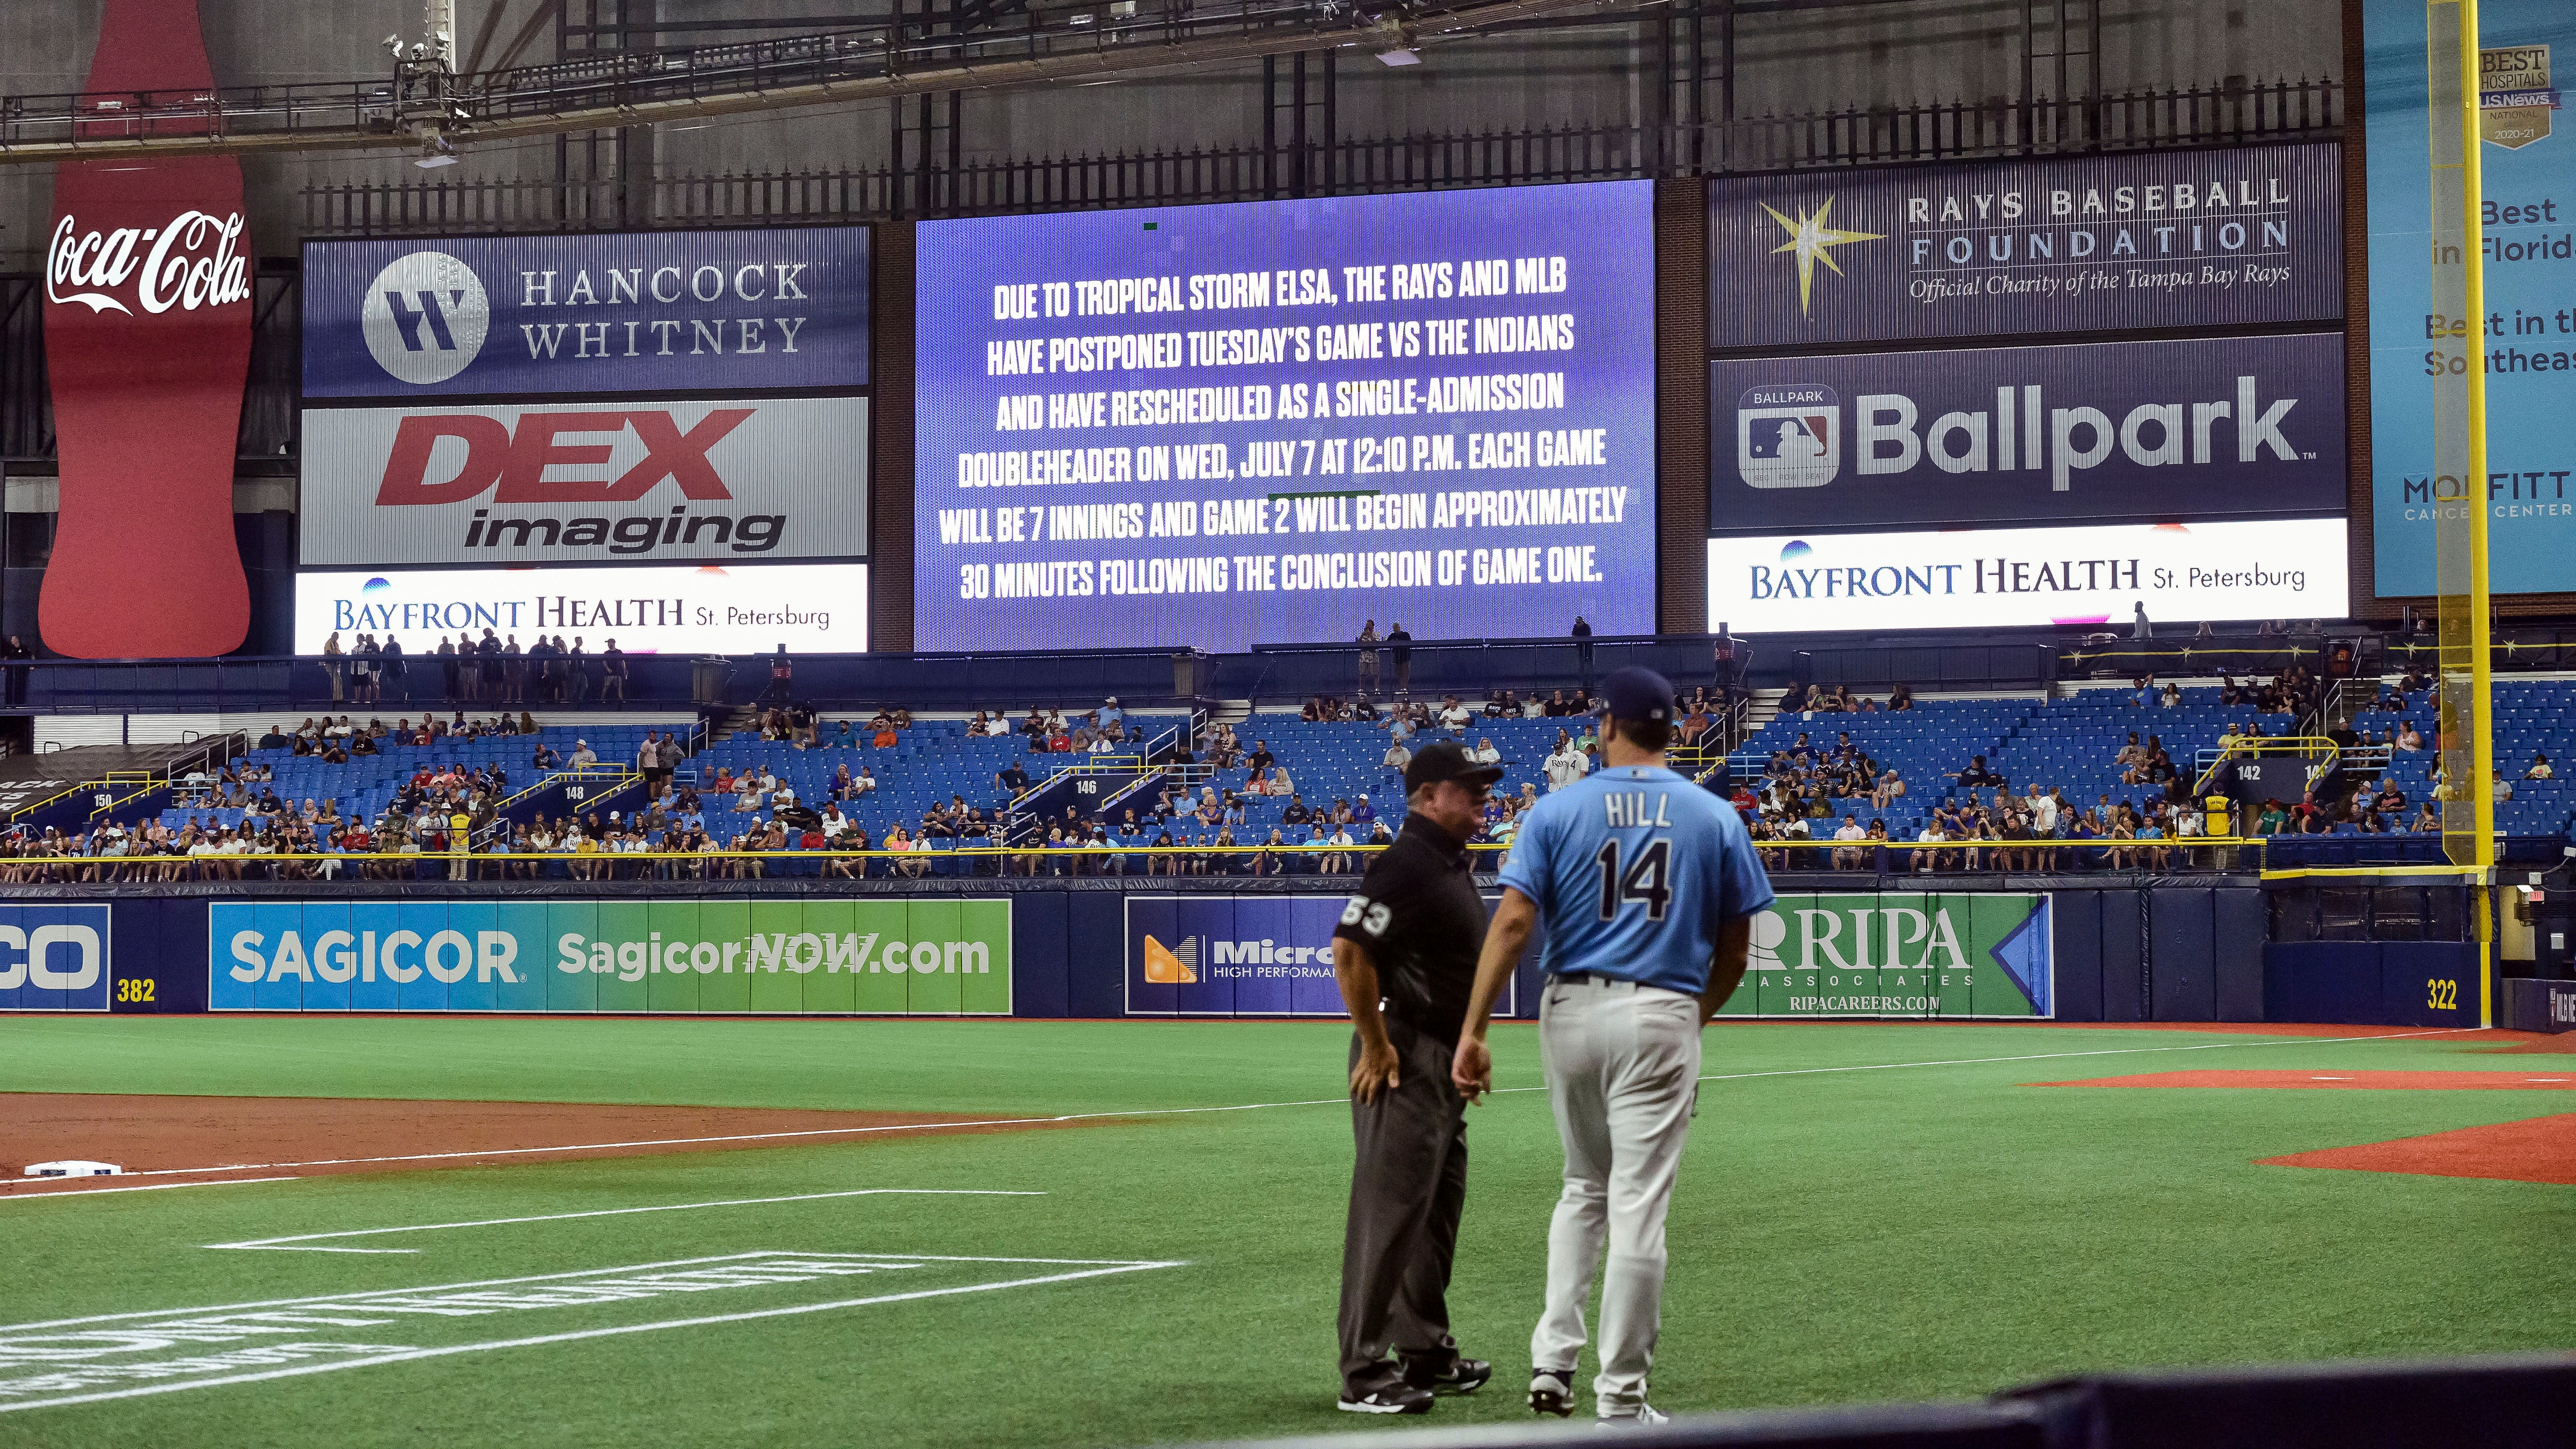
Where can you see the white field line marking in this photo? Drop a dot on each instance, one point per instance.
(420, 1353)
(1255, 1106)
(147, 1187)
(365, 1293)
(279, 1244)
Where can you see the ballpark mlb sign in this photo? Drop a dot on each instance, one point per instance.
(859, 957)
(1246, 956)
(750, 480)
(2100, 432)
(1900, 954)
(54, 958)
(624, 313)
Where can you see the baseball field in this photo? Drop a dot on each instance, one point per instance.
(375, 1230)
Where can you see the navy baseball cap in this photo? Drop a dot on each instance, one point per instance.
(1637, 694)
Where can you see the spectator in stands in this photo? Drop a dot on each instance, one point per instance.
(2428, 820)
(1902, 697)
(1400, 653)
(2499, 788)
(1397, 757)
(273, 740)
(2540, 769)
(1484, 753)
(1976, 775)
(1847, 852)
(1368, 671)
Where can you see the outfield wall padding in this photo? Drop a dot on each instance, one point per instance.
(2176, 949)
(2372, 983)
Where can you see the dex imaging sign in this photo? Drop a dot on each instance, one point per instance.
(2137, 431)
(54, 958)
(750, 479)
(626, 313)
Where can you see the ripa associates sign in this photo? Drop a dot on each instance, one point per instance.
(624, 313)
(2115, 431)
(2005, 248)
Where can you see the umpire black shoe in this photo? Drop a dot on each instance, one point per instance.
(1393, 1397)
(1552, 1391)
(1447, 1373)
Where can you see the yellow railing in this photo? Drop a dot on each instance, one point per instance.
(2320, 752)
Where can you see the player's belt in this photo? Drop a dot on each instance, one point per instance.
(1588, 978)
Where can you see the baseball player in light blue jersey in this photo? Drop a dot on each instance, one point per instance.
(1648, 885)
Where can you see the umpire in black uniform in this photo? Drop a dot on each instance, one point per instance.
(1405, 957)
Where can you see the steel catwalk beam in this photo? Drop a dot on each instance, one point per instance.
(1136, 53)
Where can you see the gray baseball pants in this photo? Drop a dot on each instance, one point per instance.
(1622, 1064)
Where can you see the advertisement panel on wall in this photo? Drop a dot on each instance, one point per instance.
(1901, 954)
(1228, 425)
(755, 478)
(868, 957)
(810, 608)
(2528, 337)
(2007, 577)
(55, 958)
(631, 312)
(2102, 432)
(2100, 243)
(1239, 956)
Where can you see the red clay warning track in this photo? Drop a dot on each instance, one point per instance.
(170, 1140)
(2345, 1081)
(2538, 1149)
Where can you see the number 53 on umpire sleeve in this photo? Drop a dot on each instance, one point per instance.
(1369, 916)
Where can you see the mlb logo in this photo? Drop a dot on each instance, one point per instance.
(1789, 437)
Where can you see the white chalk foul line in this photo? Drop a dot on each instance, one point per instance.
(284, 1245)
(146, 1187)
(1191, 1111)
(409, 1355)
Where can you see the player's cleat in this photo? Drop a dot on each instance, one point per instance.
(1646, 1417)
(1552, 1391)
(1454, 1375)
(1397, 1397)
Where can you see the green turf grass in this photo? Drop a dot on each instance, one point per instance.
(1926, 1231)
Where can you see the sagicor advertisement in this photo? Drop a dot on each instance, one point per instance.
(1900, 954)
(852, 957)
(2528, 337)
(55, 958)
(635, 312)
(744, 480)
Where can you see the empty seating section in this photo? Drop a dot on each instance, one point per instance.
(365, 786)
(2532, 717)
(2069, 743)
(930, 763)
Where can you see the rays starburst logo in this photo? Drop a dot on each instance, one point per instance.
(1813, 238)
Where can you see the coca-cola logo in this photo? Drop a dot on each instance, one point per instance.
(190, 262)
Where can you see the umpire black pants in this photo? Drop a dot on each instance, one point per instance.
(1408, 1186)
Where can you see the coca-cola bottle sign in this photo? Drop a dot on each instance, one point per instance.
(192, 260)
(147, 341)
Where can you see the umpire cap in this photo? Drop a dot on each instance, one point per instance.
(1445, 760)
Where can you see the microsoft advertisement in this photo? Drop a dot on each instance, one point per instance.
(852, 957)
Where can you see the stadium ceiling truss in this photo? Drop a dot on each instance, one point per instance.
(976, 45)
